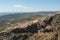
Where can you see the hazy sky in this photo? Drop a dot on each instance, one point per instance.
(29, 5)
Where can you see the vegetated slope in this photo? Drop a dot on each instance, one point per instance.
(45, 28)
(21, 17)
(13, 20)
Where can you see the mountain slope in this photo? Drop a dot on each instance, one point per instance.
(39, 28)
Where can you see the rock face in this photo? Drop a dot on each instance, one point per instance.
(41, 30)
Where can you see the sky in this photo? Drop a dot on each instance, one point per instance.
(29, 5)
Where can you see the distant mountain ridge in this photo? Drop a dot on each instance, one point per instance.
(17, 15)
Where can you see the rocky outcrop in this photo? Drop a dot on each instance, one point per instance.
(56, 21)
